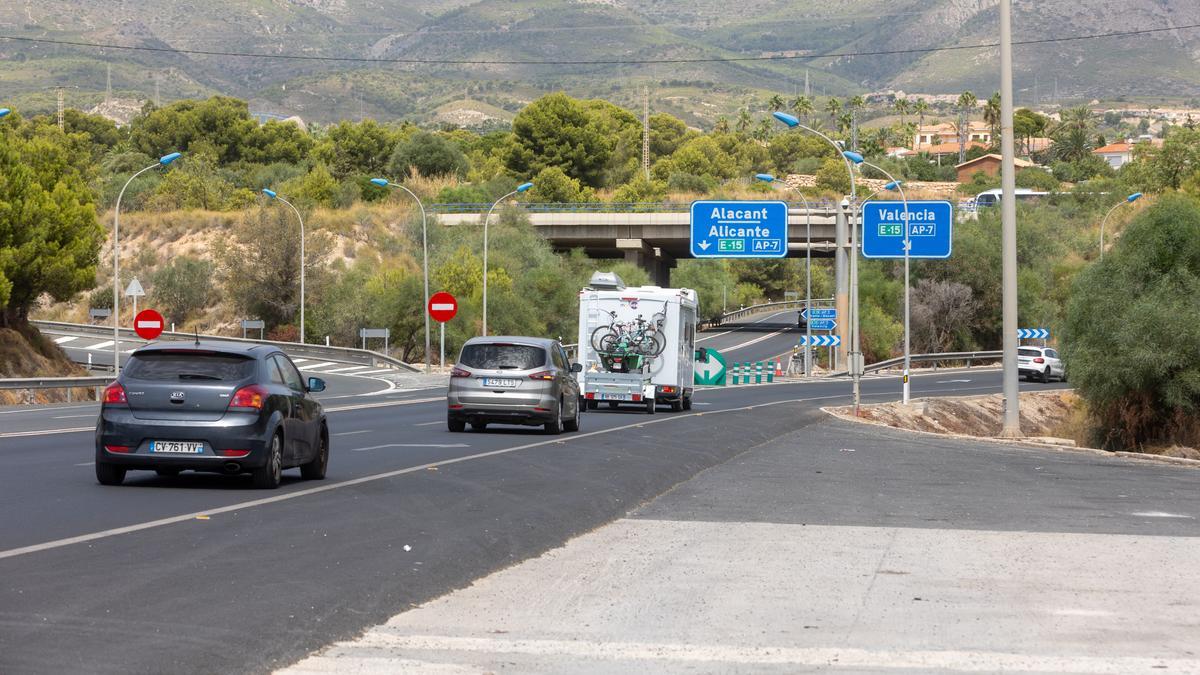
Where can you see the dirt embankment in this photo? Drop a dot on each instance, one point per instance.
(24, 352)
(1055, 417)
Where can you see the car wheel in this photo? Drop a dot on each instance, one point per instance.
(167, 473)
(592, 405)
(677, 406)
(1064, 375)
(613, 404)
(555, 425)
(479, 426)
(269, 475)
(649, 406)
(315, 470)
(456, 426)
(573, 423)
(109, 474)
(687, 403)
(1046, 375)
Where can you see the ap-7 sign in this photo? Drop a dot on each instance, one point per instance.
(930, 229)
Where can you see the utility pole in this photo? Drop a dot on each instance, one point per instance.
(157, 92)
(646, 131)
(807, 91)
(1008, 221)
(108, 84)
(62, 109)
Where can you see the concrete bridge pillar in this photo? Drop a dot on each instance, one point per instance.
(657, 264)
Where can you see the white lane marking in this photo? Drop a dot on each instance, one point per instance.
(72, 417)
(342, 370)
(299, 361)
(86, 464)
(101, 345)
(753, 342)
(1161, 514)
(46, 432)
(428, 424)
(353, 433)
(714, 656)
(55, 409)
(313, 366)
(769, 316)
(65, 339)
(411, 445)
(950, 381)
(116, 531)
(1091, 613)
(377, 372)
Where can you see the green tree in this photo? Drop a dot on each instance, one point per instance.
(1139, 302)
(316, 188)
(352, 149)
(775, 103)
(430, 155)
(182, 287)
(557, 131)
(832, 176)
(802, 106)
(49, 237)
(552, 185)
(221, 123)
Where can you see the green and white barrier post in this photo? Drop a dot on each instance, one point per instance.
(770, 371)
(758, 372)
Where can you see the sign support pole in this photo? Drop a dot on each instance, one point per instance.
(442, 357)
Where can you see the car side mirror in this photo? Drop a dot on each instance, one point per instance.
(702, 355)
(576, 367)
(316, 384)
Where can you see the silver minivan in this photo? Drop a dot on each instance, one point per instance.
(513, 380)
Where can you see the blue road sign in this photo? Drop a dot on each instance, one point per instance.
(822, 324)
(820, 341)
(1033, 333)
(753, 229)
(930, 229)
(820, 313)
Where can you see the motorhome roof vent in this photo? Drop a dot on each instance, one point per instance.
(606, 281)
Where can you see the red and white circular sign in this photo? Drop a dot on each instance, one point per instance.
(148, 324)
(442, 307)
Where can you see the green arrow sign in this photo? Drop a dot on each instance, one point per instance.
(712, 372)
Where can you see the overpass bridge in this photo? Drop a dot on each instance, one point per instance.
(651, 235)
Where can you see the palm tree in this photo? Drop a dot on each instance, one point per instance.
(1073, 137)
(902, 107)
(722, 125)
(775, 102)
(857, 103)
(845, 121)
(802, 106)
(920, 108)
(743, 121)
(833, 107)
(763, 131)
(966, 102)
(991, 115)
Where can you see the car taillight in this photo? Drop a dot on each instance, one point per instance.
(233, 453)
(252, 396)
(115, 393)
(590, 396)
(1039, 360)
(544, 375)
(117, 448)
(667, 390)
(459, 372)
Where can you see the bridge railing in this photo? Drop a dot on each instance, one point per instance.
(940, 357)
(595, 207)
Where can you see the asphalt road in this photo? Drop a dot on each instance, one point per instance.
(759, 338)
(201, 573)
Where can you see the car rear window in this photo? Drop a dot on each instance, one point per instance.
(184, 366)
(1029, 352)
(503, 356)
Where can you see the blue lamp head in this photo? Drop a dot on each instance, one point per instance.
(790, 120)
(852, 156)
(765, 177)
(167, 159)
(4, 112)
(524, 187)
(894, 185)
(1134, 197)
(269, 193)
(381, 182)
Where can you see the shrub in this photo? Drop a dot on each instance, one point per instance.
(182, 287)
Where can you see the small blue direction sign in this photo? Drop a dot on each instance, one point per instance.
(819, 313)
(752, 229)
(822, 324)
(929, 231)
(1033, 333)
(820, 340)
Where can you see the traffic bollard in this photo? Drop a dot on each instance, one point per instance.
(758, 372)
(771, 371)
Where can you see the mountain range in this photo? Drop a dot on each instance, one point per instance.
(810, 40)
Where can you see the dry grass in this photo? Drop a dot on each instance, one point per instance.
(27, 353)
(1042, 414)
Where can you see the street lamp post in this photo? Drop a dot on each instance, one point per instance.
(1128, 200)
(523, 187)
(383, 182)
(273, 195)
(768, 178)
(163, 161)
(4, 112)
(898, 185)
(1008, 231)
(849, 158)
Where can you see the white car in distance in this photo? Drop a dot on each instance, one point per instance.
(1042, 363)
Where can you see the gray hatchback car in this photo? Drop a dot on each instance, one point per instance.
(217, 406)
(513, 380)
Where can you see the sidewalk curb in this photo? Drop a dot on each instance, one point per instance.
(1030, 442)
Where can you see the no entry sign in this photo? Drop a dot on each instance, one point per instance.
(148, 324)
(442, 307)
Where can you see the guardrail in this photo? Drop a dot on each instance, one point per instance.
(768, 307)
(597, 207)
(345, 354)
(69, 383)
(969, 357)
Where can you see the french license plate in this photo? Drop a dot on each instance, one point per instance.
(612, 397)
(177, 447)
(500, 383)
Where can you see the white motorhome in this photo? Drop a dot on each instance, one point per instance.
(667, 314)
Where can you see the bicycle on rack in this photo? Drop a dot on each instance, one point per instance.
(636, 337)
